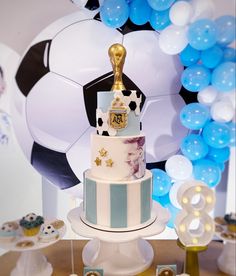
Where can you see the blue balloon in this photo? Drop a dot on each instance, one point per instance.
(223, 77)
(225, 26)
(173, 213)
(163, 200)
(207, 171)
(221, 166)
(196, 78)
(114, 13)
(194, 147)
(216, 134)
(229, 54)
(140, 12)
(232, 128)
(212, 56)
(159, 20)
(202, 34)
(160, 5)
(189, 56)
(161, 182)
(194, 116)
(219, 155)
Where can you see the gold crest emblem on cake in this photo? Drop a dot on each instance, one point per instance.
(118, 115)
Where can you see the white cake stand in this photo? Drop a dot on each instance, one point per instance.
(31, 261)
(226, 260)
(119, 253)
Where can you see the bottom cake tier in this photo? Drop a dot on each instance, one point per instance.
(111, 205)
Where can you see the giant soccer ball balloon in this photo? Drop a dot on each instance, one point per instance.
(54, 103)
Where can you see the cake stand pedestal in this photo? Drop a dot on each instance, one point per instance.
(226, 261)
(118, 253)
(31, 261)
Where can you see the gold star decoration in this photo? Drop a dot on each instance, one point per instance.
(103, 152)
(109, 163)
(98, 161)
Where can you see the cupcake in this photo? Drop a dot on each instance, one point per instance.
(8, 231)
(31, 224)
(48, 233)
(231, 222)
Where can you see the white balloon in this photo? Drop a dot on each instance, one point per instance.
(173, 193)
(179, 167)
(173, 39)
(208, 95)
(222, 111)
(229, 96)
(202, 9)
(181, 13)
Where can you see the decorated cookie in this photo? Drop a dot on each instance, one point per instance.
(25, 244)
(228, 235)
(220, 220)
(31, 224)
(48, 233)
(57, 224)
(8, 231)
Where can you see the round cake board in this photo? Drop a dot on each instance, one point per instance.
(118, 253)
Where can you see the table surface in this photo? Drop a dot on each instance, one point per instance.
(165, 252)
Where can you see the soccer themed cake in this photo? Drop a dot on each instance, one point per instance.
(118, 188)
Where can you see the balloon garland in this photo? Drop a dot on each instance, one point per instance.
(186, 29)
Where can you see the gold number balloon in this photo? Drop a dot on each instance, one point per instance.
(193, 224)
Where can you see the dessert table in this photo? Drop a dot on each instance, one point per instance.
(165, 252)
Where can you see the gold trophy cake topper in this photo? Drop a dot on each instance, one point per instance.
(117, 54)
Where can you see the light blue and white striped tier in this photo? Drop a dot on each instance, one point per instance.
(117, 206)
(132, 99)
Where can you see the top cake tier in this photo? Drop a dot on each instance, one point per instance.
(118, 113)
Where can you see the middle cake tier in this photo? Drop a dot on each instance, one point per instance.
(118, 158)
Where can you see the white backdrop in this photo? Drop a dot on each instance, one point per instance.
(20, 184)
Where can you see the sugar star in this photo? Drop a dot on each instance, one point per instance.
(103, 152)
(109, 163)
(98, 161)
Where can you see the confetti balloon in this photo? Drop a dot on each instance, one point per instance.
(114, 13)
(225, 29)
(189, 56)
(160, 5)
(140, 12)
(195, 78)
(161, 182)
(212, 56)
(223, 77)
(194, 116)
(232, 128)
(178, 167)
(194, 147)
(216, 135)
(229, 54)
(202, 34)
(219, 155)
(159, 20)
(207, 171)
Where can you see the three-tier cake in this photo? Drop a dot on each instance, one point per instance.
(118, 188)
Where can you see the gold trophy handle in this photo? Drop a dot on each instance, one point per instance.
(117, 54)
